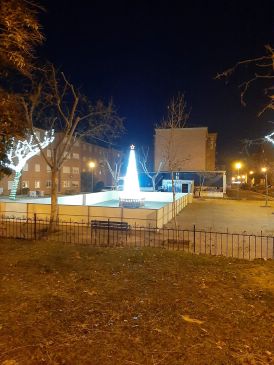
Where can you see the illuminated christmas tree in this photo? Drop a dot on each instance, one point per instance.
(21, 151)
(131, 196)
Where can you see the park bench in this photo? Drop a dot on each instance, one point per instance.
(114, 225)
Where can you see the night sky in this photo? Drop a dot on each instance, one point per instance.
(142, 55)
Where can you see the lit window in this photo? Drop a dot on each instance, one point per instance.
(76, 156)
(37, 184)
(66, 183)
(48, 168)
(25, 184)
(66, 169)
(75, 170)
(75, 184)
(100, 172)
(68, 156)
(37, 167)
(10, 184)
(48, 153)
(26, 167)
(48, 184)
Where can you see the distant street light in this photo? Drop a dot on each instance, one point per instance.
(238, 166)
(251, 172)
(92, 165)
(264, 170)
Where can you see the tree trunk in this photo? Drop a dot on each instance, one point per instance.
(153, 184)
(54, 200)
(15, 185)
(173, 199)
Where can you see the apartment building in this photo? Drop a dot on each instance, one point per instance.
(36, 174)
(188, 149)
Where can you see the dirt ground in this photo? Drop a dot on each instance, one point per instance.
(68, 304)
(237, 216)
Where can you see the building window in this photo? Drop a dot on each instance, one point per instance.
(75, 170)
(10, 184)
(76, 156)
(66, 169)
(48, 153)
(66, 183)
(75, 184)
(25, 184)
(26, 167)
(37, 167)
(37, 184)
(68, 156)
(48, 184)
(48, 168)
(100, 172)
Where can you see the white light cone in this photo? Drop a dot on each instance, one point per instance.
(131, 189)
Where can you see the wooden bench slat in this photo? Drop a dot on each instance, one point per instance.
(110, 224)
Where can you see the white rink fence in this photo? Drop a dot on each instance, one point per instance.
(158, 209)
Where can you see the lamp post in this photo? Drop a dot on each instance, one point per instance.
(264, 169)
(238, 165)
(251, 173)
(92, 165)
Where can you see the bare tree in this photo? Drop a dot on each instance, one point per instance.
(177, 117)
(144, 163)
(114, 169)
(64, 109)
(261, 69)
(20, 33)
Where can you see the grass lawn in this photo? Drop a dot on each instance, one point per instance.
(65, 304)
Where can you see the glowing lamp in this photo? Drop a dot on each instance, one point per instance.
(92, 164)
(264, 169)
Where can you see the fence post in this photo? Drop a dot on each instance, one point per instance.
(194, 238)
(108, 232)
(35, 226)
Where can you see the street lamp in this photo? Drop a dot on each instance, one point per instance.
(251, 173)
(92, 165)
(238, 165)
(264, 170)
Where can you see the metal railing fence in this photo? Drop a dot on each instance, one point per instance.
(197, 241)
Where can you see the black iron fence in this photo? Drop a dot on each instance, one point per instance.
(110, 234)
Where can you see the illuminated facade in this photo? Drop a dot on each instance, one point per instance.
(36, 174)
(190, 149)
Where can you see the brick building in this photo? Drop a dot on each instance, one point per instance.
(190, 149)
(36, 174)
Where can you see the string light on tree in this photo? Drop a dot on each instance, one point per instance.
(21, 151)
(270, 137)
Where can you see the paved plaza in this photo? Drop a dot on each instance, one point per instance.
(237, 216)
